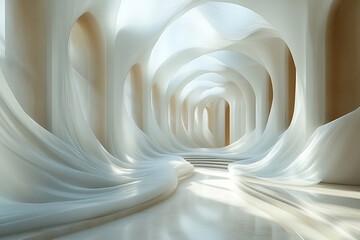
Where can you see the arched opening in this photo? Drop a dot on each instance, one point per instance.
(185, 115)
(86, 53)
(155, 101)
(133, 93)
(25, 54)
(227, 123)
(291, 82)
(269, 97)
(219, 122)
(343, 59)
(172, 114)
(206, 118)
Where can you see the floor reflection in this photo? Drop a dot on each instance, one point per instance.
(206, 206)
(323, 211)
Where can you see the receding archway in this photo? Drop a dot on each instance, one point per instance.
(227, 123)
(291, 82)
(155, 102)
(133, 93)
(86, 53)
(343, 59)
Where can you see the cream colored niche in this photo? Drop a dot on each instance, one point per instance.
(86, 53)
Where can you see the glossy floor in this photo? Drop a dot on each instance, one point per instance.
(205, 206)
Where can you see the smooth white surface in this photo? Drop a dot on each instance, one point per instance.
(205, 206)
(210, 206)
